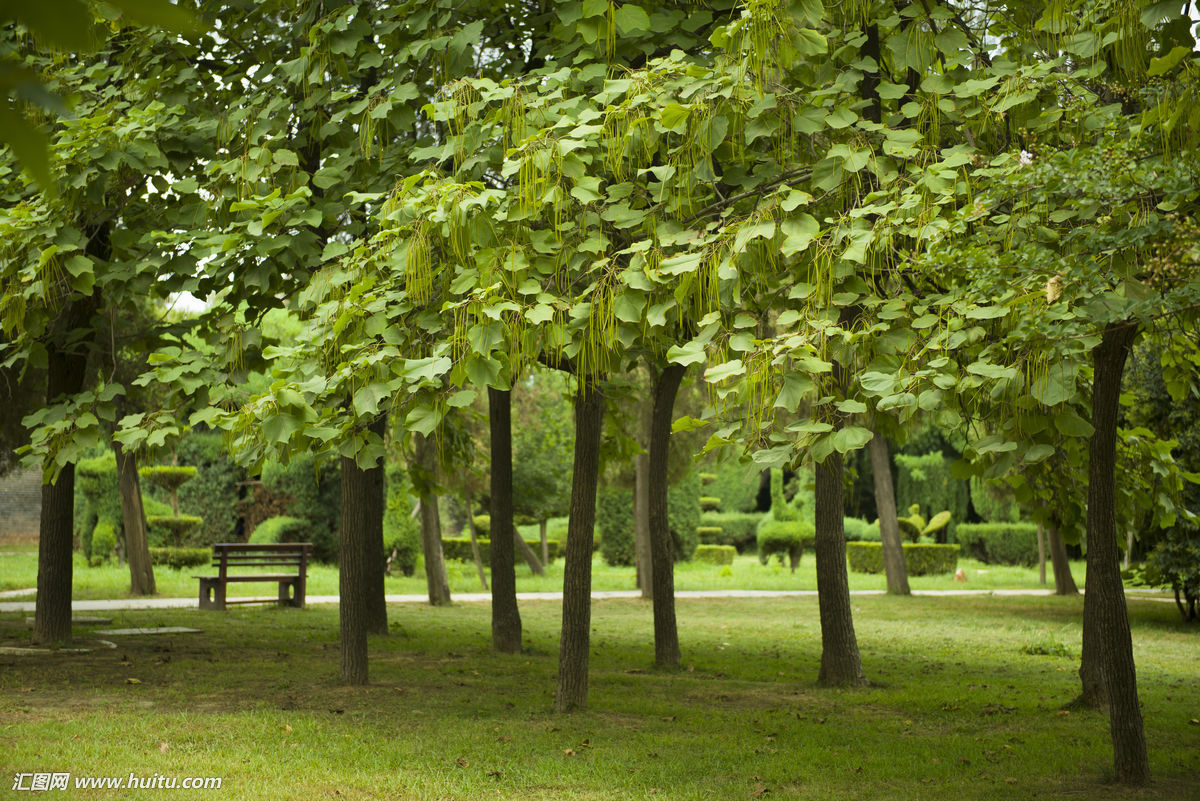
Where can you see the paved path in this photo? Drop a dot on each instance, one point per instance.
(483, 597)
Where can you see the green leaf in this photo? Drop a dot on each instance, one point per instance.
(367, 398)
(1038, 453)
(687, 424)
(674, 117)
(1056, 385)
(798, 233)
(795, 387)
(719, 372)
(1161, 66)
(286, 158)
(688, 353)
(281, 427)
(1071, 424)
(851, 438)
(630, 18)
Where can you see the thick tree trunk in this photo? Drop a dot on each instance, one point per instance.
(354, 569)
(52, 609)
(1105, 617)
(889, 529)
(1064, 582)
(375, 494)
(574, 643)
(662, 549)
(841, 664)
(133, 519)
(641, 524)
(431, 528)
(474, 534)
(506, 618)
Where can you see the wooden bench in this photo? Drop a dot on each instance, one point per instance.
(239, 555)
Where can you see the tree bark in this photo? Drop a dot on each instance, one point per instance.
(841, 664)
(474, 534)
(1041, 539)
(354, 569)
(662, 550)
(572, 686)
(1105, 617)
(889, 529)
(375, 489)
(506, 617)
(431, 527)
(545, 542)
(52, 608)
(1064, 582)
(133, 520)
(528, 554)
(641, 524)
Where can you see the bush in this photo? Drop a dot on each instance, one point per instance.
(460, 548)
(104, 543)
(1175, 563)
(707, 478)
(736, 484)
(784, 537)
(715, 554)
(739, 529)
(925, 481)
(96, 498)
(710, 503)
(401, 529)
(709, 535)
(920, 559)
(167, 477)
(216, 491)
(614, 518)
(164, 531)
(780, 508)
(1000, 543)
(179, 558)
(483, 525)
(860, 530)
(993, 502)
(277, 529)
(683, 515)
(314, 494)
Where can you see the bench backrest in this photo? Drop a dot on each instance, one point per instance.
(240, 554)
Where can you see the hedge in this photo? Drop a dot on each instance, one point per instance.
(460, 548)
(1000, 543)
(715, 554)
(926, 481)
(736, 484)
(784, 537)
(921, 559)
(179, 558)
(277, 529)
(739, 529)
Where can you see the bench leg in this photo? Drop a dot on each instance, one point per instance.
(291, 593)
(212, 594)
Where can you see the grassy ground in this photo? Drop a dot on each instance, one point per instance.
(18, 570)
(967, 704)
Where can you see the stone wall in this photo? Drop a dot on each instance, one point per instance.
(20, 506)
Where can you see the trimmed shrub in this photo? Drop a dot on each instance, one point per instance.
(216, 491)
(315, 491)
(168, 531)
(459, 548)
(179, 558)
(860, 530)
(707, 478)
(739, 529)
(1000, 543)
(736, 484)
(784, 537)
(780, 508)
(401, 529)
(683, 515)
(277, 529)
(710, 503)
(167, 477)
(920, 559)
(993, 502)
(104, 543)
(483, 525)
(96, 498)
(710, 535)
(715, 554)
(925, 481)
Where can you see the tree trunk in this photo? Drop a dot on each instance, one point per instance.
(1105, 617)
(471, 531)
(889, 529)
(133, 519)
(528, 554)
(52, 607)
(662, 549)
(841, 663)
(506, 618)
(574, 643)
(641, 524)
(375, 489)
(545, 542)
(1041, 539)
(359, 520)
(431, 527)
(1064, 582)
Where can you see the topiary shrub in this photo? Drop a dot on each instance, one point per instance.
(401, 528)
(314, 493)
(860, 530)
(925, 481)
(179, 558)
(1000, 543)
(277, 529)
(784, 537)
(167, 531)
(483, 525)
(710, 503)
(96, 498)
(920, 559)
(216, 492)
(710, 535)
(736, 484)
(168, 478)
(614, 518)
(739, 529)
(715, 554)
(104, 543)
(780, 508)
(707, 478)
(683, 515)
(993, 502)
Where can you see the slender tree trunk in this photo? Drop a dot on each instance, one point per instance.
(52, 608)
(354, 570)
(889, 529)
(474, 534)
(662, 549)
(1064, 582)
(574, 643)
(542, 524)
(431, 528)
(641, 524)
(133, 519)
(1041, 539)
(374, 487)
(506, 618)
(528, 554)
(841, 663)
(1105, 617)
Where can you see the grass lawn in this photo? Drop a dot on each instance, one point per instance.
(967, 704)
(18, 570)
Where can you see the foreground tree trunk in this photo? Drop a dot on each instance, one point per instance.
(133, 520)
(889, 529)
(574, 644)
(841, 664)
(52, 608)
(1064, 582)
(662, 550)
(431, 527)
(1106, 633)
(506, 618)
(360, 517)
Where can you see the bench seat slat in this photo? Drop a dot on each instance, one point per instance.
(254, 577)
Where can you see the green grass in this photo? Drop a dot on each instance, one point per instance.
(964, 705)
(18, 569)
